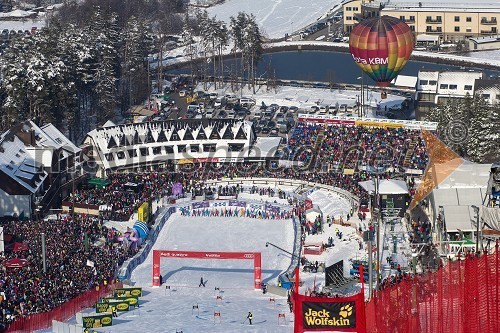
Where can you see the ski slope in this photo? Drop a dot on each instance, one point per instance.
(276, 17)
(171, 310)
(163, 310)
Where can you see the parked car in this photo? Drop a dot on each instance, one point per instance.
(210, 113)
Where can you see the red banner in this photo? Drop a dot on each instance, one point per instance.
(255, 256)
(308, 204)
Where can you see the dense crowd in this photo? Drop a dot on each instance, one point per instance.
(29, 290)
(236, 212)
(362, 149)
(123, 198)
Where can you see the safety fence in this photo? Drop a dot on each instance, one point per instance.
(130, 264)
(462, 297)
(63, 312)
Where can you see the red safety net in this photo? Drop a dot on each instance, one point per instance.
(63, 312)
(462, 297)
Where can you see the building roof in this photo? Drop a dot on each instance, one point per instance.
(59, 139)
(20, 173)
(25, 150)
(427, 38)
(108, 123)
(485, 39)
(405, 81)
(442, 5)
(467, 175)
(486, 84)
(141, 111)
(265, 147)
(386, 186)
(18, 13)
(159, 134)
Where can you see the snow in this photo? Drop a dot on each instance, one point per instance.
(330, 203)
(22, 25)
(163, 310)
(276, 17)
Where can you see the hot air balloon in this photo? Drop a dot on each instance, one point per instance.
(381, 47)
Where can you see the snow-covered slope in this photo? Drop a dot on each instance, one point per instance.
(276, 17)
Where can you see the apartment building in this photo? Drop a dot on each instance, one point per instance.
(449, 20)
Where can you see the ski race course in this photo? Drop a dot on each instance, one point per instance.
(181, 305)
(163, 310)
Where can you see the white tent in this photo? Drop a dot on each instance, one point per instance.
(386, 186)
(458, 218)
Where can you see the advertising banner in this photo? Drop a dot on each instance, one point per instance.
(102, 307)
(340, 314)
(201, 204)
(143, 212)
(256, 206)
(120, 305)
(237, 203)
(271, 208)
(308, 204)
(328, 315)
(96, 321)
(132, 300)
(119, 292)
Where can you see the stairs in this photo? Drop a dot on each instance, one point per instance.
(409, 153)
(317, 146)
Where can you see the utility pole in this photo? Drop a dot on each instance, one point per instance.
(476, 216)
(377, 223)
(370, 264)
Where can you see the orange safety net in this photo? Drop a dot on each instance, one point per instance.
(462, 297)
(442, 162)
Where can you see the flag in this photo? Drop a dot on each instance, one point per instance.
(90, 263)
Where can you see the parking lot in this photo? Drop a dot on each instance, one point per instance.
(186, 103)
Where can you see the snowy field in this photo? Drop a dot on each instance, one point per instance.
(23, 24)
(276, 17)
(163, 310)
(167, 311)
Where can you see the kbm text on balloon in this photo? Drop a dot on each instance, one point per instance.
(371, 61)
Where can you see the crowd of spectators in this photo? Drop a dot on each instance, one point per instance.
(29, 290)
(236, 212)
(362, 149)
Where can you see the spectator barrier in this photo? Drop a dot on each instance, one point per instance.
(63, 312)
(285, 277)
(288, 182)
(130, 264)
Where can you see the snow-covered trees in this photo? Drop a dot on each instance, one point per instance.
(247, 40)
(470, 127)
(75, 76)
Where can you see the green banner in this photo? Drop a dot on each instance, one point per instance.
(119, 292)
(96, 321)
(102, 307)
(119, 305)
(107, 304)
(132, 300)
